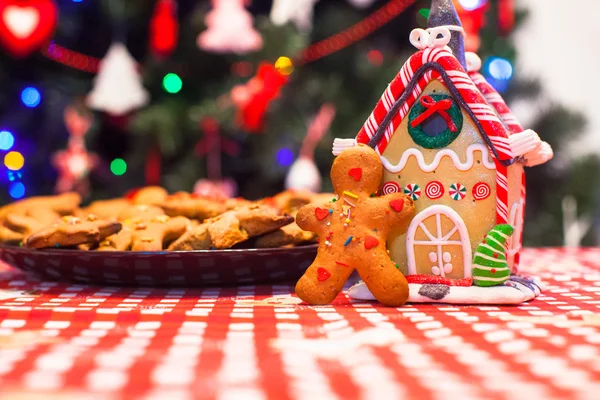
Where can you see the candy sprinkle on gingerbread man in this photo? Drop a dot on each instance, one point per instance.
(353, 230)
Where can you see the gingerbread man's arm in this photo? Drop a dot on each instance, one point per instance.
(314, 217)
(398, 207)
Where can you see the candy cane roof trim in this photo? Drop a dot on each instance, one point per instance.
(405, 89)
(495, 100)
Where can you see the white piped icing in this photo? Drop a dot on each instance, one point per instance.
(524, 142)
(539, 156)
(467, 165)
(340, 145)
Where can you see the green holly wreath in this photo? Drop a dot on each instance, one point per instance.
(435, 121)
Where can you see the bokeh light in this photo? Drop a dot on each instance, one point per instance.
(118, 166)
(16, 190)
(6, 140)
(500, 68)
(285, 157)
(172, 83)
(375, 57)
(470, 5)
(14, 160)
(31, 97)
(242, 68)
(284, 65)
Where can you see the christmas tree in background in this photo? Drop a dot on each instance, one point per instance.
(252, 100)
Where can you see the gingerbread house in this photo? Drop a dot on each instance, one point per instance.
(447, 139)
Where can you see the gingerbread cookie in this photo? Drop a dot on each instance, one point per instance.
(62, 204)
(139, 213)
(72, 231)
(9, 236)
(353, 230)
(232, 227)
(149, 195)
(149, 234)
(289, 235)
(291, 200)
(33, 220)
(193, 207)
(106, 209)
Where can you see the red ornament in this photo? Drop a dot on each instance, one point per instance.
(26, 25)
(164, 28)
(152, 167)
(74, 163)
(472, 21)
(253, 98)
(506, 15)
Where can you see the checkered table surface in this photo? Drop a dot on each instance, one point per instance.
(60, 341)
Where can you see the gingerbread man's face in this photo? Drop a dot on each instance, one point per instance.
(353, 230)
(357, 171)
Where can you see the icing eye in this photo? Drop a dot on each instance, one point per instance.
(435, 121)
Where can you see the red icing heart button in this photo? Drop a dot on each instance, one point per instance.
(370, 242)
(355, 173)
(397, 205)
(322, 274)
(321, 213)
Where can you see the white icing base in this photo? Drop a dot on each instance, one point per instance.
(460, 294)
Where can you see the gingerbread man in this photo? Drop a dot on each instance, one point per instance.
(353, 230)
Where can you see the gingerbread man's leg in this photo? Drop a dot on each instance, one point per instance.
(387, 284)
(324, 279)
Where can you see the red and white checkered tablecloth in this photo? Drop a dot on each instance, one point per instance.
(60, 341)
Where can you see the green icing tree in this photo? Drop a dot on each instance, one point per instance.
(489, 264)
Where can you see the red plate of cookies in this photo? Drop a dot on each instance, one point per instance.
(152, 238)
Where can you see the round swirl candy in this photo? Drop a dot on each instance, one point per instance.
(481, 191)
(434, 190)
(457, 191)
(413, 191)
(390, 187)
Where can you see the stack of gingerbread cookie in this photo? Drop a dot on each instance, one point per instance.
(151, 219)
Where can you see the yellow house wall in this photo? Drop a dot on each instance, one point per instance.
(478, 216)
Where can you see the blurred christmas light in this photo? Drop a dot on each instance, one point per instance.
(285, 157)
(118, 166)
(31, 97)
(470, 5)
(12, 175)
(242, 68)
(14, 160)
(77, 1)
(500, 68)
(284, 65)
(375, 57)
(6, 140)
(172, 83)
(16, 190)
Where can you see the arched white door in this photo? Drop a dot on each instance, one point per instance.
(437, 243)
